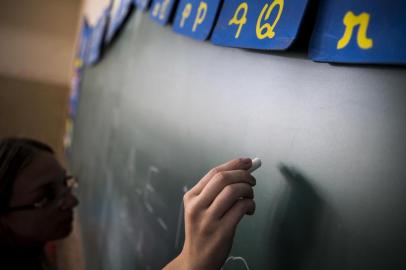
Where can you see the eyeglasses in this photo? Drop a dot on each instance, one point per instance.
(69, 184)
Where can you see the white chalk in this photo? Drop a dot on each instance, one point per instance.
(256, 163)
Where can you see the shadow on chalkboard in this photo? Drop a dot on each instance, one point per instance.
(305, 235)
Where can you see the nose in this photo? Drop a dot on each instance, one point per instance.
(69, 202)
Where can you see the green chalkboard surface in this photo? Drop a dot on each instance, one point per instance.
(160, 110)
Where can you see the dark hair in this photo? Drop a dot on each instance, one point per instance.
(15, 154)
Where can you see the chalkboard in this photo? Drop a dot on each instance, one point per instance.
(160, 110)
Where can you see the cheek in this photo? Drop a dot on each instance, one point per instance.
(35, 227)
(26, 228)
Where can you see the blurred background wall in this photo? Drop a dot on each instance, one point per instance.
(37, 41)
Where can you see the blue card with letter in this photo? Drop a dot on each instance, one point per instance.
(359, 31)
(142, 4)
(259, 24)
(195, 18)
(118, 13)
(95, 42)
(85, 35)
(161, 10)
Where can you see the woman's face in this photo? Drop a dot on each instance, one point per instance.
(42, 178)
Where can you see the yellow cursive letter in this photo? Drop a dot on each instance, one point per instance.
(350, 21)
(163, 9)
(156, 9)
(201, 14)
(269, 33)
(239, 21)
(185, 14)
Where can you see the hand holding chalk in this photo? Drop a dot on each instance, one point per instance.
(213, 209)
(256, 163)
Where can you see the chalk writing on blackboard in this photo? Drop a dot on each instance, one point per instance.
(351, 21)
(140, 242)
(241, 260)
(124, 215)
(162, 223)
(148, 191)
(131, 161)
(149, 188)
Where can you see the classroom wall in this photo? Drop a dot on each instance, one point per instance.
(36, 54)
(93, 9)
(38, 39)
(161, 109)
(33, 109)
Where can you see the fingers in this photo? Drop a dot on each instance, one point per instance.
(228, 197)
(222, 180)
(235, 164)
(237, 211)
(212, 209)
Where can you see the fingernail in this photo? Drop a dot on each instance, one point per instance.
(246, 160)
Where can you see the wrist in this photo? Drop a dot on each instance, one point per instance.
(181, 262)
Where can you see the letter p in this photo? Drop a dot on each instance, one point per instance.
(185, 14)
(201, 14)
